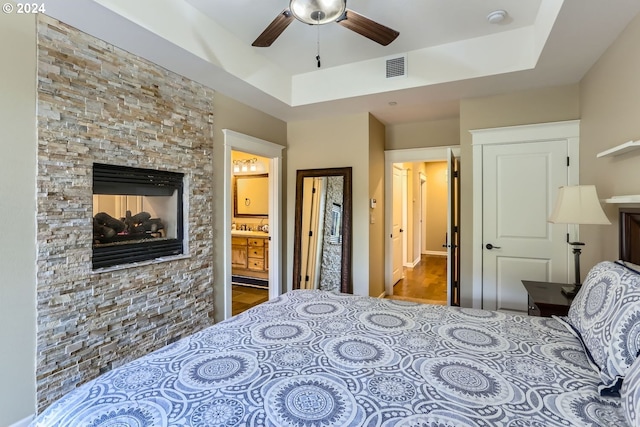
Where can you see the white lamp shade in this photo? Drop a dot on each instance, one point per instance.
(317, 11)
(578, 204)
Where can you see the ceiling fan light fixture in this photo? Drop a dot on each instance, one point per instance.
(317, 12)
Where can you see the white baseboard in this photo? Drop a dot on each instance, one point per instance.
(412, 264)
(436, 253)
(23, 423)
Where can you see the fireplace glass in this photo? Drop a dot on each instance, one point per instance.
(137, 215)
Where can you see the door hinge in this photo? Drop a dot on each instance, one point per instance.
(306, 278)
(456, 174)
(313, 190)
(568, 161)
(310, 233)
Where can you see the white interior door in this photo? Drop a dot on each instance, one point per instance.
(520, 183)
(396, 230)
(405, 220)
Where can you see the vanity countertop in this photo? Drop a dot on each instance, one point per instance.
(246, 233)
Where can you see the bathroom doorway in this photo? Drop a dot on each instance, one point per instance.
(253, 243)
(249, 231)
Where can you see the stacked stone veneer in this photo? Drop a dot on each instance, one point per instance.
(98, 103)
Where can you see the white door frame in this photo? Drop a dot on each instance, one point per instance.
(235, 141)
(423, 214)
(569, 130)
(426, 154)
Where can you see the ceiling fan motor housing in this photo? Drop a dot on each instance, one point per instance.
(317, 12)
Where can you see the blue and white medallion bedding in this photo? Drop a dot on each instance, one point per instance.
(315, 358)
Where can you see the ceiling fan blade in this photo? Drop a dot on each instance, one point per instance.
(368, 28)
(273, 31)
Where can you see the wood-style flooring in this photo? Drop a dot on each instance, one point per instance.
(426, 282)
(245, 297)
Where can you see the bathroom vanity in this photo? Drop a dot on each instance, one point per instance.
(250, 254)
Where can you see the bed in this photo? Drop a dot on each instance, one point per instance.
(316, 358)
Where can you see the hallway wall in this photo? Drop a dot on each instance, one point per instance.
(436, 207)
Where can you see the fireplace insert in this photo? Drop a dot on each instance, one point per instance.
(137, 214)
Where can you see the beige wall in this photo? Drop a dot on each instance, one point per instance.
(435, 133)
(233, 115)
(332, 143)
(437, 199)
(535, 106)
(610, 109)
(17, 217)
(376, 215)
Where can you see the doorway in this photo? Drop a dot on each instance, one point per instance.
(272, 154)
(422, 217)
(423, 229)
(249, 231)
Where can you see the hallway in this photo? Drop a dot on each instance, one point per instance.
(426, 282)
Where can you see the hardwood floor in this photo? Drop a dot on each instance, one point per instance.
(426, 282)
(245, 297)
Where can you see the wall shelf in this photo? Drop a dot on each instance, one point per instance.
(633, 198)
(620, 149)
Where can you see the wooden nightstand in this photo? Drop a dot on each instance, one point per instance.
(546, 298)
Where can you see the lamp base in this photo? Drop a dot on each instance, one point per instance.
(570, 291)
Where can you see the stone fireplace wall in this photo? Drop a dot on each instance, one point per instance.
(98, 103)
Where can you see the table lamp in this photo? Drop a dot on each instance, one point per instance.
(577, 204)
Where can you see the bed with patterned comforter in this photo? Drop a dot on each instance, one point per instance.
(315, 358)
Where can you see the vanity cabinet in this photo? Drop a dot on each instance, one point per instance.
(239, 252)
(249, 256)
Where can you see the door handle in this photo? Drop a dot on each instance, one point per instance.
(490, 246)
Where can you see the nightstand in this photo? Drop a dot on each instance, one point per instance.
(546, 298)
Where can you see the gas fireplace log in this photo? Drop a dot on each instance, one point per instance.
(134, 222)
(107, 220)
(100, 230)
(153, 225)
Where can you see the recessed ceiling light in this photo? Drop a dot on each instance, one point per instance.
(497, 16)
(393, 103)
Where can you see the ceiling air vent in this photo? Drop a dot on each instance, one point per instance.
(397, 67)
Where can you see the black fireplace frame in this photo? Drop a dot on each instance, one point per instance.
(124, 180)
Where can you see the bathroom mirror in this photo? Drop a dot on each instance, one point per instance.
(251, 195)
(322, 235)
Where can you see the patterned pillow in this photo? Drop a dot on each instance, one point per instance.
(631, 394)
(606, 315)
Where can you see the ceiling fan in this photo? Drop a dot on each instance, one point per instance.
(318, 12)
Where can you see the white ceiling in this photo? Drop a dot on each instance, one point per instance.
(421, 23)
(452, 51)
